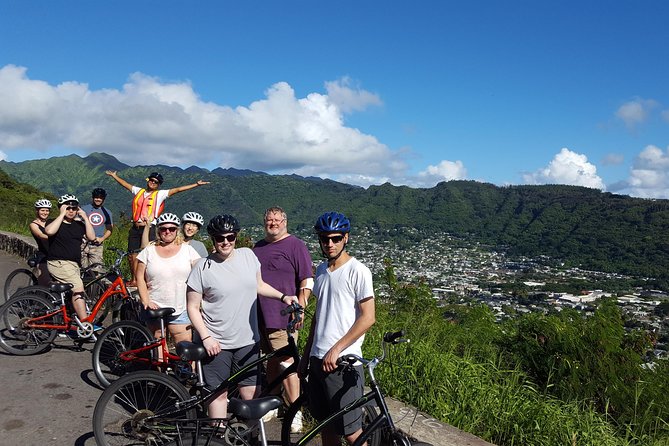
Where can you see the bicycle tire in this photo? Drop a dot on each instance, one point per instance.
(369, 413)
(17, 279)
(18, 340)
(117, 338)
(39, 290)
(132, 398)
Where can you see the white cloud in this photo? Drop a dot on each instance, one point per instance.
(444, 171)
(649, 175)
(349, 99)
(3, 156)
(613, 159)
(149, 120)
(635, 112)
(567, 167)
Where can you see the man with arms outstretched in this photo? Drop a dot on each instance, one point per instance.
(147, 205)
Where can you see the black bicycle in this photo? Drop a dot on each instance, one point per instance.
(377, 430)
(153, 408)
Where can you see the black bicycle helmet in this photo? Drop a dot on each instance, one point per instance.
(156, 176)
(99, 192)
(222, 224)
(332, 222)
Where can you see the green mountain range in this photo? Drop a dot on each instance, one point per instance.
(576, 225)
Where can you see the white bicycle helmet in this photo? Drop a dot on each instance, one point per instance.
(192, 217)
(67, 198)
(168, 218)
(43, 203)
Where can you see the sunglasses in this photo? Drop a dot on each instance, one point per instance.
(151, 180)
(229, 238)
(167, 228)
(324, 239)
(72, 208)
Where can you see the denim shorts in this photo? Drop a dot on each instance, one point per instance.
(179, 319)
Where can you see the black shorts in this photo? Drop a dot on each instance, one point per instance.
(135, 237)
(330, 392)
(217, 369)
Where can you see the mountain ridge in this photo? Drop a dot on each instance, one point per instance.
(581, 226)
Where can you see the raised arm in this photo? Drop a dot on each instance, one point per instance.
(119, 180)
(54, 226)
(176, 190)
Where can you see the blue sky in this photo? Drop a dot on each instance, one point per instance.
(514, 92)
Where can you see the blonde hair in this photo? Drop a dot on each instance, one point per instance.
(179, 239)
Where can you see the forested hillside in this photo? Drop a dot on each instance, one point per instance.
(577, 225)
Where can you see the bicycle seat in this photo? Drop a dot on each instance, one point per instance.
(190, 351)
(159, 313)
(254, 409)
(58, 287)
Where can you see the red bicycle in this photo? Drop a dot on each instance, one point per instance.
(32, 322)
(128, 346)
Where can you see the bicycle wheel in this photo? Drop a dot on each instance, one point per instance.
(116, 339)
(120, 413)
(15, 337)
(291, 436)
(18, 279)
(39, 290)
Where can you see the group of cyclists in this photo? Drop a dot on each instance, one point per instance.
(229, 299)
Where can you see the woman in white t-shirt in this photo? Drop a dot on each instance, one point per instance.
(162, 269)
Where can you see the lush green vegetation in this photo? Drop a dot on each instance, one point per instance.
(537, 379)
(574, 225)
(533, 380)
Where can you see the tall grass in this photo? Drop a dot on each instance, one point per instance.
(459, 372)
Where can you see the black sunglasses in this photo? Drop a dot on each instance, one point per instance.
(72, 208)
(324, 239)
(167, 228)
(221, 238)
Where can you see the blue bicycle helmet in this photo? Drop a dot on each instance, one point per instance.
(332, 222)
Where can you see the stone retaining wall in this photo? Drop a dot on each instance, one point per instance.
(16, 244)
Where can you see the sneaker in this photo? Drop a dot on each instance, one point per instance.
(296, 425)
(270, 415)
(98, 327)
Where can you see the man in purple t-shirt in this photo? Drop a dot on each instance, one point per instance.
(286, 265)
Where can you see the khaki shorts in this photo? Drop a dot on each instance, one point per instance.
(274, 338)
(66, 271)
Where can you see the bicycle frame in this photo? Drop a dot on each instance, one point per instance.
(165, 357)
(229, 384)
(384, 418)
(117, 287)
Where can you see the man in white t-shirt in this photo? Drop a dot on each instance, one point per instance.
(344, 312)
(147, 205)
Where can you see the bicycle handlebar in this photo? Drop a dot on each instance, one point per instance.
(388, 338)
(292, 308)
(296, 310)
(394, 337)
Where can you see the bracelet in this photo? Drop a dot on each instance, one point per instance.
(282, 297)
(204, 339)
